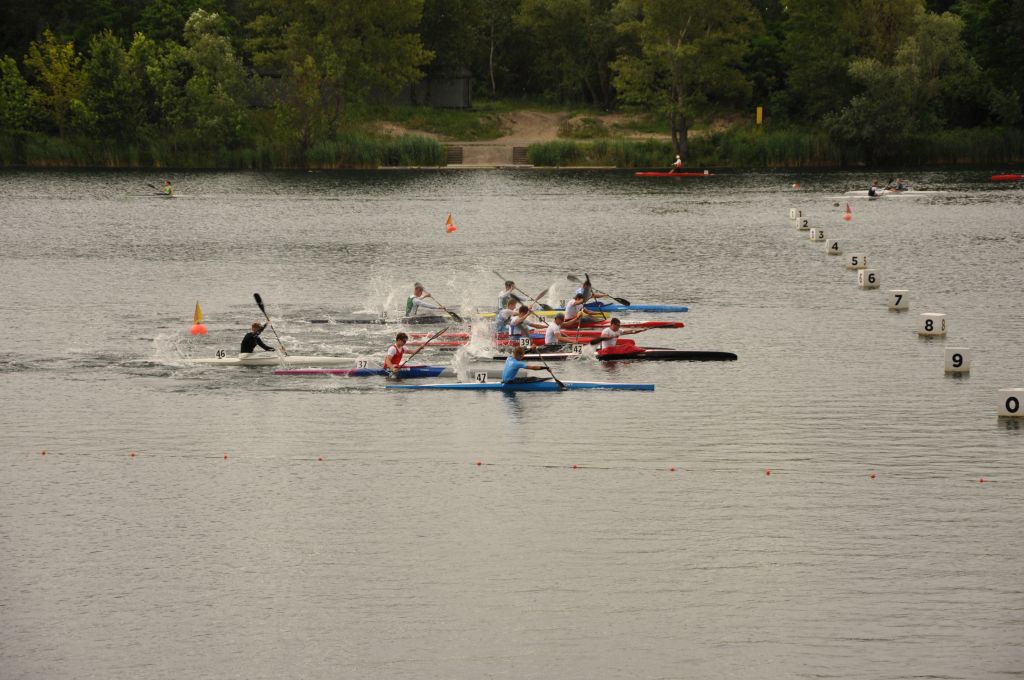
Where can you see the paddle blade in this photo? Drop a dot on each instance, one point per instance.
(259, 302)
(621, 301)
(574, 279)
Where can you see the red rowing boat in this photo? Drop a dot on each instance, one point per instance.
(1007, 178)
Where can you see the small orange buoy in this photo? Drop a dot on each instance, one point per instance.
(42, 453)
(768, 473)
(671, 469)
(872, 475)
(450, 228)
(574, 466)
(198, 329)
(132, 454)
(225, 456)
(320, 459)
(478, 463)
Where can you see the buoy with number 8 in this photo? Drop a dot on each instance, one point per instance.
(1011, 402)
(931, 324)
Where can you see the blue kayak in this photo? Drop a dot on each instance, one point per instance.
(614, 307)
(407, 372)
(537, 386)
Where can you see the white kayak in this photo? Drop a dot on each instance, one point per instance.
(277, 359)
(890, 193)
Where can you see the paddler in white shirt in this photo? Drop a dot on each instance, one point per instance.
(610, 335)
(418, 301)
(554, 335)
(393, 357)
(520, 326)
(677, 165)
(504, 296)
(504, 316)
(574, 312)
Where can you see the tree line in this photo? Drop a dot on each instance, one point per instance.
(226, 74)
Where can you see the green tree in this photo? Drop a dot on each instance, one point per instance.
(579, 42)
(994, 32)
(60, 84)
(329, 56)
(691, 53)
(450, 29)
(824, 36)
(202, 87)
(930, 72)
(15, 98)
(111, 92)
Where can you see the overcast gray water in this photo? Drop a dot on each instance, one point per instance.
(831, 505)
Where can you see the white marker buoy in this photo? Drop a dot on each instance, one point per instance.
(899, 300)
(832, 247)
(794, 213)
(817, 234)
(958, 360)
(802, 223)
(868, 278)
(857, 261)
(1011, 402)
(931, 324)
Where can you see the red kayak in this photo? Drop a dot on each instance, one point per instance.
(587, 329)
(673, 174)
(1007, 178)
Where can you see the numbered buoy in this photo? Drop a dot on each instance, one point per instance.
(832, 247)
(931, 324)
(899, 300)
(1011, 402)
(958, 360)
(802, 223)
(856, 261)
(793, 213)
(817, 234)
(868, 278)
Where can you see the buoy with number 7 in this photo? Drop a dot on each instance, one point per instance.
(899, 300)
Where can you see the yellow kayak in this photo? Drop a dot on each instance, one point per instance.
(551, 312)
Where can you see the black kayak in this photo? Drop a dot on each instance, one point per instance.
(650, 354)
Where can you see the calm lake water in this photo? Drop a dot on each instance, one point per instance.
(349, 531)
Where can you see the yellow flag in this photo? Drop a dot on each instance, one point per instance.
(448, 222)
(198, 318)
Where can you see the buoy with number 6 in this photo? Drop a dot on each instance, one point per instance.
(1011, 402)
(832, 247)
(958, 360)
(931, 324)
(856, 261)
(868, 278)
(899, 300)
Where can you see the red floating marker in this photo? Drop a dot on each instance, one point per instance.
(131, 455)
(320, 459)
(981, 480)
(671, 469)
(42, 453)
(768, 472)
(574, 466)
(478, 463)
(225, 456)
(872, 475)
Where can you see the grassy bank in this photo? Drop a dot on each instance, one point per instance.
(785, 148)
(352, 150)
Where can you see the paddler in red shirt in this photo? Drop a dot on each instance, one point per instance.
(393, 357)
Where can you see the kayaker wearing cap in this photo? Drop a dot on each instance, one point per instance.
(393, 357)
(252, 339)
(504, 296)
(610, 335)
(554, 335)
(514, 363)
(418, 300)
(677, 165)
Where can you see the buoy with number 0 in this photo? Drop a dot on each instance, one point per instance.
(1011, 402)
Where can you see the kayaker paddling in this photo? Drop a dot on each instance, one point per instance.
(874, 190)
(514, 364)
(418, 301)
(677, 165)
(168, 189)
(610, 335)
(520, 326)
(506, 295)
(575, 312)
(554, 335)
(393, 357)
(252, 340)
(504, 317)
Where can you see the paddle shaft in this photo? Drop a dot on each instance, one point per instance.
(432, 337)
(576, 279)
(259, 302)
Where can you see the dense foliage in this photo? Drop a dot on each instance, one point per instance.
(296, 82)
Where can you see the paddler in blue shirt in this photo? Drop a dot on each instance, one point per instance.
(252, 339)
(514, 363)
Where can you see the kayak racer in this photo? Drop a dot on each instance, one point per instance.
(610, 335)
(393, 357)
(418, 301)
(252, 339)
(513, 365)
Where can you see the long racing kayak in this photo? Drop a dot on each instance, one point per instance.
(664, 173)
(614, 307)
(407, 372)
(538, 386)
(1007, 178)
(271, 359)
(380, 320)
(648, 354)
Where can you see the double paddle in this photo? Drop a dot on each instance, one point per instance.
(586, 283)
(259, 301)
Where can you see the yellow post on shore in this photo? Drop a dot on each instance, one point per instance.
(760, 114)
